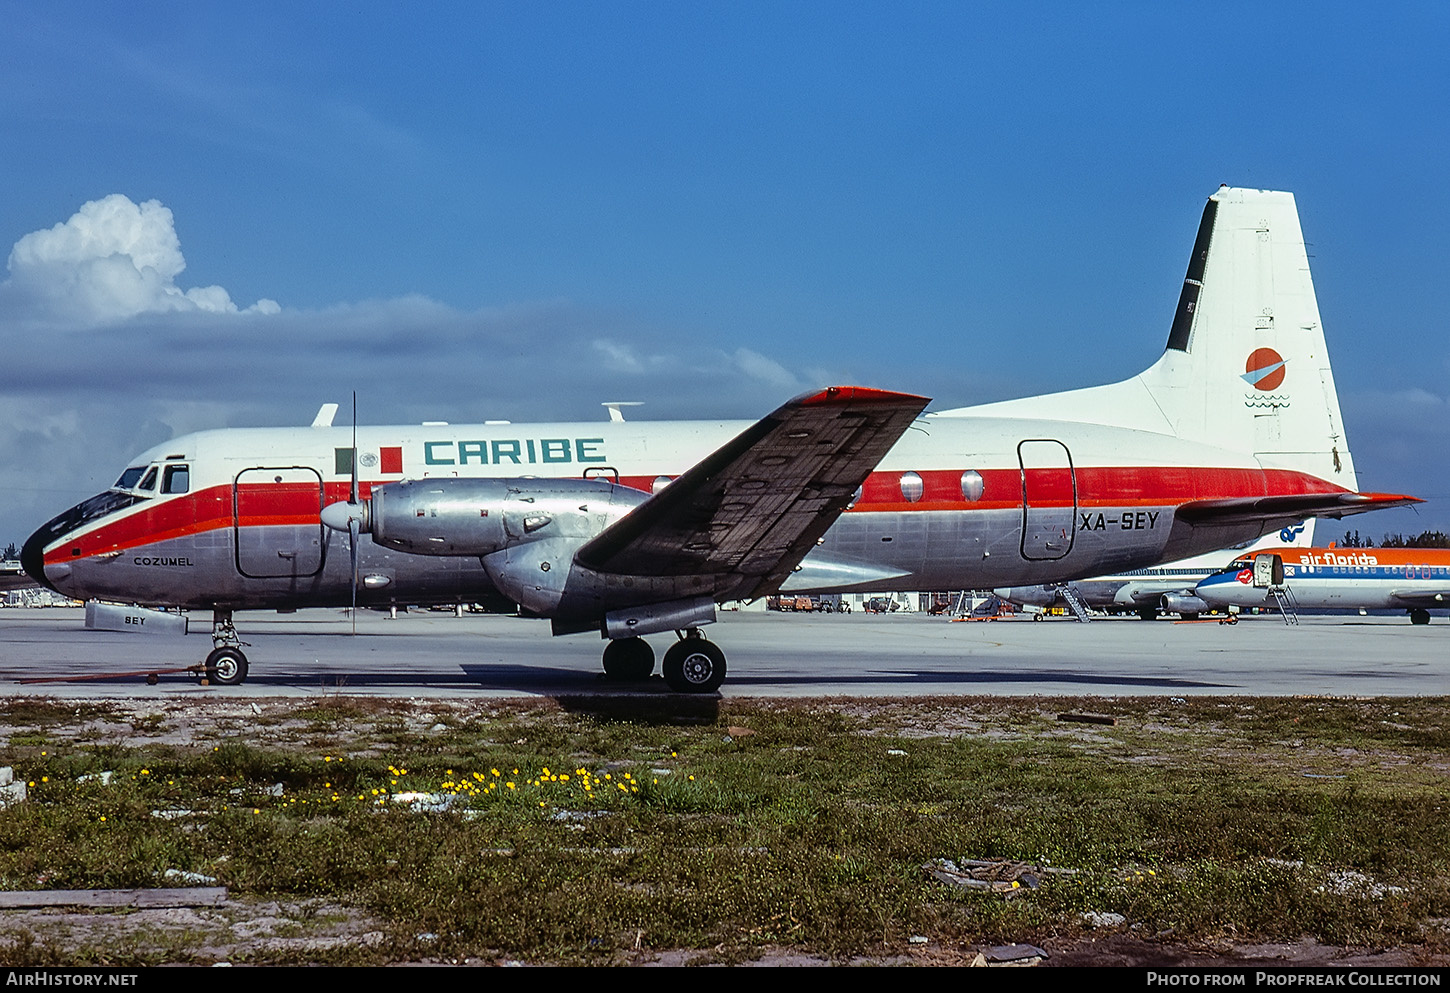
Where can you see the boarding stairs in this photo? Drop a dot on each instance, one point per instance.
(1285, 600)
(1074, 603)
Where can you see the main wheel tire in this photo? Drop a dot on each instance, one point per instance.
(694, 665)
(1148, 613)
(629, 660)
(226, 667)
(1419, 616)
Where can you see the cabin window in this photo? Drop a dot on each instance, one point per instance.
(972, 486)
(176, 479)
(911, 487)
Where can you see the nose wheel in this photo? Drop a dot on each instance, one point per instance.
(226, 667)
(227, 663)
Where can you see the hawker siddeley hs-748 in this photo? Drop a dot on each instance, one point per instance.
(635, 528)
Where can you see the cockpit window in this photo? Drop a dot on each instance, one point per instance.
(176, 479)
(149, 483)
(129, 477)
(89, 510)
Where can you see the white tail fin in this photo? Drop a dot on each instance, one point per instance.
(1246, 367)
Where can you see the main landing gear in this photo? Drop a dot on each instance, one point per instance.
(691, 665)
(227, 663)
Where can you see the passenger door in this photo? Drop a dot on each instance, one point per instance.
(1049, 499)
(277, 523)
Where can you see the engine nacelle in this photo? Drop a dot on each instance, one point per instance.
(451, 516)
(1185, 603)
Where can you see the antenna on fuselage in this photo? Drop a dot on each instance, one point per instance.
(613, 406)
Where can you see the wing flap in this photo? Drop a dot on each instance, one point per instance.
(750, 511)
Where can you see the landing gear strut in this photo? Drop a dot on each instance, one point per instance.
(694, 665)
(227, 664)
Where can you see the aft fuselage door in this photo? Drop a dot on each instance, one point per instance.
(277, 522)
(1049, 499)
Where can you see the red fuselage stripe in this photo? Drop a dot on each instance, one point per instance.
(274, 504)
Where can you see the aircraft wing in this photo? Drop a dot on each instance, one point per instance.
(750, 511)
(1296, 506)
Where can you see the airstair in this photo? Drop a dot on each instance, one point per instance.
(1074, 603)
(1285, 600)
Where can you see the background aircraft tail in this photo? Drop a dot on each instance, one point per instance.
(1246, 367)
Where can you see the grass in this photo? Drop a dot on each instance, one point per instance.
(576, 838)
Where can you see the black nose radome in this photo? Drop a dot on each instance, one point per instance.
(32, 558)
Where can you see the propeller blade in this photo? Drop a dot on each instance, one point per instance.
(352, 533)
(352, 493)
(352, 518)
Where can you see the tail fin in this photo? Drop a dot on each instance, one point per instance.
(1246, 367)
(1246, 363)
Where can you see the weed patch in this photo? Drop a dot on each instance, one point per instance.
(552, 834)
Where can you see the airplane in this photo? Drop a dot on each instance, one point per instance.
(1149, 591)
(632, 528)
(13, 576)
(1415, 579)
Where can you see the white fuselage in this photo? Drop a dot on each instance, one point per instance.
(1055, 500)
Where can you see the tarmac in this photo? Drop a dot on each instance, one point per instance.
(48, 652)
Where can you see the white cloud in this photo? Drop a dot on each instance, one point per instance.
(75, 406)
(113, 260)
(765, 370)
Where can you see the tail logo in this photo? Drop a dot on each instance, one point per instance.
(1264, 370)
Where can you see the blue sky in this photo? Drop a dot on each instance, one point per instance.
(488, 210)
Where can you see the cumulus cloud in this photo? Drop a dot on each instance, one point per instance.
(161, 364)
(112, 261)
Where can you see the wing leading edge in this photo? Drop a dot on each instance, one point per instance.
(750, 511)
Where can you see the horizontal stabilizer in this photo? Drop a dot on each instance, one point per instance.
(1248, 510)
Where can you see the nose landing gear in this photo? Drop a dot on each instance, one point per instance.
(227, 663)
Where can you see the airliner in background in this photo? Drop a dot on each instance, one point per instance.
(1152, 590)
(1410, 579)
(628, 529)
